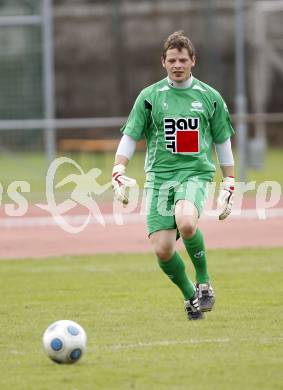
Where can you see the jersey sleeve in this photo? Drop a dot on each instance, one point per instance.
(220, 122)
(137, 120)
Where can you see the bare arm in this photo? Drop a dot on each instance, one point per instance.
(119, 159)
(227, 170)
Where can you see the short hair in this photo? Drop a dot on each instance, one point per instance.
(178, 40)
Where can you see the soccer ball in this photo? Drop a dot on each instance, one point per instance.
(64, 341)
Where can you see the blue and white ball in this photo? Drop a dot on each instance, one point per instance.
(64, 341)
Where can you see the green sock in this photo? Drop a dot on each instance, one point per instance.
(196, 250)
(174, 268)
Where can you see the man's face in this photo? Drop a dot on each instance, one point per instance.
(178, 64)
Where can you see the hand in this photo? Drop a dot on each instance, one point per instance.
(226, 197)
(120, 182)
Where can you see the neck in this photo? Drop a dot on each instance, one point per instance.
(184, 84)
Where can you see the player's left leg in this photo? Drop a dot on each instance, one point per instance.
(186, 215)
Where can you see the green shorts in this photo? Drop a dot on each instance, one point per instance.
(164, 190)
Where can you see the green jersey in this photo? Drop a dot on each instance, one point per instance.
(180, 126)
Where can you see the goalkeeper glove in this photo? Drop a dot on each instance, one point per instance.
(120, 183)
(226, 197)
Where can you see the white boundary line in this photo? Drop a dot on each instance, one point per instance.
(165, 343)
(110, 219)
(168, 343)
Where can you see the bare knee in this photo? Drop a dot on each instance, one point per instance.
(163, 243)
(186, 216)
(163, 253)
(186, 228)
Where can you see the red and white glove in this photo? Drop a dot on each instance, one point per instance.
(120, 183)
(226, 197)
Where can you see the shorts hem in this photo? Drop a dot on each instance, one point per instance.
(161, 228)
(196, 206)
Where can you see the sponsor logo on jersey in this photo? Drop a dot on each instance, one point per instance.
(182, 135)
(197, 106)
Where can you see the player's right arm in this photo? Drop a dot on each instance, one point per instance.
(132, 131)
(120, 181)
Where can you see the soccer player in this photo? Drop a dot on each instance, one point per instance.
(181, 119)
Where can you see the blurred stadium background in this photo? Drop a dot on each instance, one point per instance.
(70, 72)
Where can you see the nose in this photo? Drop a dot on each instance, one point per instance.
(178, 64)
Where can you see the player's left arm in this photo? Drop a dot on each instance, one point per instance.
(222, 131)
(226, 194)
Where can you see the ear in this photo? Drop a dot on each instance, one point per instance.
(193, 61)
(162, 61)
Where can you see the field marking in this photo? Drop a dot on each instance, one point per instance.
(110, 219)
(166, 343)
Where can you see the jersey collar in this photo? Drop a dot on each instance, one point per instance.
(183, 85)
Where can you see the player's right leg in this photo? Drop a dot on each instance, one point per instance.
(161, 228)
(171, 263)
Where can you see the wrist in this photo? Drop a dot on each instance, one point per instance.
(119, 168)
(229, 183)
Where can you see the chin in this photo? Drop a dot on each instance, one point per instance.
(178, 79)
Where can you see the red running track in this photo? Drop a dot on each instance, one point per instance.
(50, 240)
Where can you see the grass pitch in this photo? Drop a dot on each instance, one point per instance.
(138, 337)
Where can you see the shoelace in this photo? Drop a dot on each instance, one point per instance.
(192, 304)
